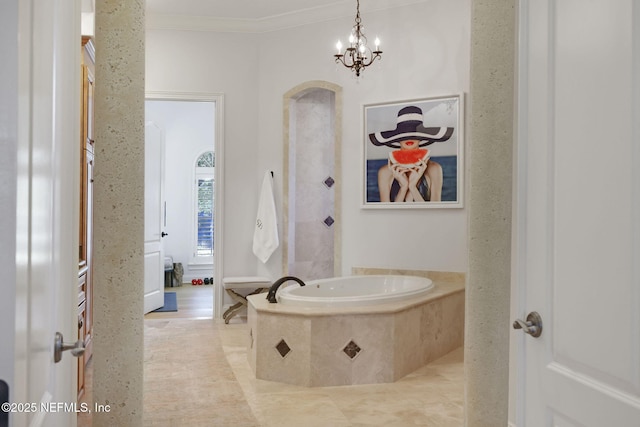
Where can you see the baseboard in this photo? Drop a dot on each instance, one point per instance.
(186, 279)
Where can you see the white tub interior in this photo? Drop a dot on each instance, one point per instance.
(354, 290)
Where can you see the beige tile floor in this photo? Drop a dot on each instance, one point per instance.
(197, 374)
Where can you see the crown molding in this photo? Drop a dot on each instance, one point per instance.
(270, 23)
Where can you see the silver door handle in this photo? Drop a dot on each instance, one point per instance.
(77, 348)
(533, 325)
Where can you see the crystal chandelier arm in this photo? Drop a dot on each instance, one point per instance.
(372, 55)
(358, 55)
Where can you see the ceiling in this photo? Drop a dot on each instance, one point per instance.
(254, 15)
(235, 9)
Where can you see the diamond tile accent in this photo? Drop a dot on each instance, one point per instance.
(283, 348)
(352, 349)
(329, 182)
(328, 221)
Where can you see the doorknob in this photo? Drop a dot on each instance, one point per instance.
(77, 348)
(164, 234)
(533, 325)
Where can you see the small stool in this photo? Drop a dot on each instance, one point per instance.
(256, 284)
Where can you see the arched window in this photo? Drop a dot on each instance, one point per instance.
(204, 205)
(206, 160)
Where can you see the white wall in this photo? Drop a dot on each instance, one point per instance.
(188, 129)
(210, 63)
(426, 52)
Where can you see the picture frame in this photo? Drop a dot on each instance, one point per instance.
(413, 153)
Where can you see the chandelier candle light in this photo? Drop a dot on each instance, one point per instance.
(358, 55)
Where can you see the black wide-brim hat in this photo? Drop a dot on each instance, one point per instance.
(411, 126)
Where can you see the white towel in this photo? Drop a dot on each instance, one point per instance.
(265, 235)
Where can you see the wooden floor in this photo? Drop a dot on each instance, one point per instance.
(194, 302)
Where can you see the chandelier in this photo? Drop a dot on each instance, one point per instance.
(358, 55)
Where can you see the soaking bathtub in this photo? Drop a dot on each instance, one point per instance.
(353, 330)
(354, 291)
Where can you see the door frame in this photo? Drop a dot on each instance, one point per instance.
(218, 100)
(518, 230)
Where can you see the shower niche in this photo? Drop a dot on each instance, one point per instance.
(312, 184)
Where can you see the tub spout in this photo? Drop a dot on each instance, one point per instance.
(271, 296)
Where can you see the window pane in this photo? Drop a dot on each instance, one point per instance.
(206, 160)
(205, 217)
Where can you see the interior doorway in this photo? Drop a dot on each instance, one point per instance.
(192, 213)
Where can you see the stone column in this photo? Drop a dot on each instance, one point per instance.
(119, 212)
(491, 131)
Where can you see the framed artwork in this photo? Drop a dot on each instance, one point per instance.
(413, 153)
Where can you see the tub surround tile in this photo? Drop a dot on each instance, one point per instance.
(250, 337)
(283, 348)
(332, 366)
(352, 349)
(375, 335)
(453, 313)
(411, 343)
(269, 364)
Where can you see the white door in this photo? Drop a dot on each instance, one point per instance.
(42, 114)
(153, 218)
(577, 247)
(8, 183)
